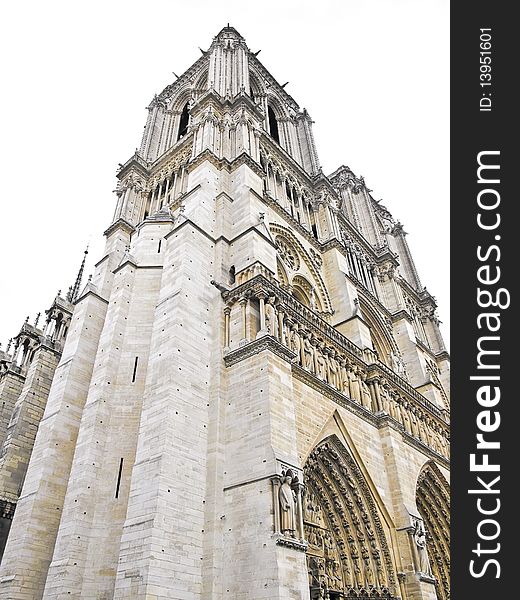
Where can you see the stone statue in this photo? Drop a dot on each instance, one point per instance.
(366, 399)
(270, 317)
(384, 390)
(295, 342)
(308, 354)
(419, 536)
(398, 364)
(321, 364)
(288, 506)
(355, 390)
(333, 369)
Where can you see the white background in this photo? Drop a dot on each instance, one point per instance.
(76, 78)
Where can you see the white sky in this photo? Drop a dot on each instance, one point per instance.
(76, 78)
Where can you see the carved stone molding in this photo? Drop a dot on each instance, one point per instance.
(348, 552)
(266, 342)
(301, 546)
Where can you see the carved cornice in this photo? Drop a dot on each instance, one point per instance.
(442, 355)
(119, 224)
(226, 104)
(266, 342)
(425, 449)
(297, 311)
(333, 394)
(136, 162)
(224, 163)
(380, 369)
(293, 543)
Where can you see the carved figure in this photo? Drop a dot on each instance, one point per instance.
(288, 506)
(308, 354)
(366, 399)
(321, 364)
(295, 342)
(270, 317)
(333, 369)
(419, 536)
(355, 390)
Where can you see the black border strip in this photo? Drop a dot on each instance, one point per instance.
(483, 120)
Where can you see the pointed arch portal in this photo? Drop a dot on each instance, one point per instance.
(348, 556)
(433, 503)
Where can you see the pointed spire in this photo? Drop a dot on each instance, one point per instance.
(74, 290)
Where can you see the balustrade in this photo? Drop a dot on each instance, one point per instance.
(266, 309)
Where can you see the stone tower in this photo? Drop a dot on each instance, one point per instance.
(25, 380)
(252, 399)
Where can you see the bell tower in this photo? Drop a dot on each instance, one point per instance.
(251, 381)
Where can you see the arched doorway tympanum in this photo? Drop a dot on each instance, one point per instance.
(348, 556)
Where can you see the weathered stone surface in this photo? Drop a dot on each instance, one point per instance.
(252, 399)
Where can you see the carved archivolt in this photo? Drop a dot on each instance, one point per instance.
(381, 331)
(348, 554)
(282, 234)
(433, 503)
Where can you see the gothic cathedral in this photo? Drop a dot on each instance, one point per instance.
(249, 398)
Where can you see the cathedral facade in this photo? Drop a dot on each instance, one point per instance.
(250, 397)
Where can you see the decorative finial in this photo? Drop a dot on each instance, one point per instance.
(37, 319)
(74, 291)
(26, 319)
(9, 344)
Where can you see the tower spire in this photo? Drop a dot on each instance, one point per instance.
(74, 290)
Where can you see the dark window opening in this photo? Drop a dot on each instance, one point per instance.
(183, 125)
(159, 247)
(232, 274)
(273, 125)
(314, 230)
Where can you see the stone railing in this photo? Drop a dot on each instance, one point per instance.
(260, 307)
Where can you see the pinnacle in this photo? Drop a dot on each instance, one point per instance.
(227, 32)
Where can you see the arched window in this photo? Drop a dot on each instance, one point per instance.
(273, 125)
(183, 124)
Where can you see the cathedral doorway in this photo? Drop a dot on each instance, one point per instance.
(348, 556)
(433, 503)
